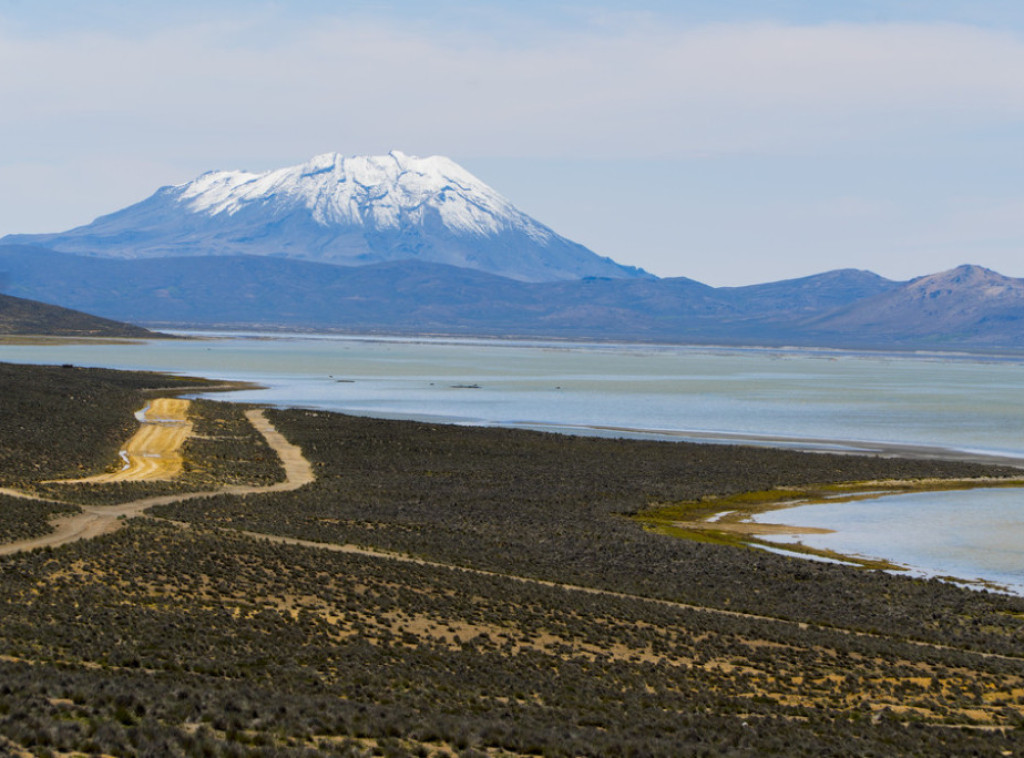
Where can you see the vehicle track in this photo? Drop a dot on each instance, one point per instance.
(585, 590)
(154, 452)
(96, 520)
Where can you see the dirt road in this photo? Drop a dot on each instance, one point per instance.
(154, 453)
(297, 470)
(95, 520)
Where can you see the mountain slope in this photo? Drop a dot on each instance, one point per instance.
(968, 304)
(28, 317)
(967, 308)
(810, 294)
(407, 296)
(338, 210)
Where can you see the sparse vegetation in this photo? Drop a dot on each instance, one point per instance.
(19, 316)
(21, 519)
(502, 605)
(60, 422)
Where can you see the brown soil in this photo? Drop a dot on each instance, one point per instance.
(154, 452)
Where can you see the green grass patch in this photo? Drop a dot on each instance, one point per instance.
(707, 536)
(683, 519)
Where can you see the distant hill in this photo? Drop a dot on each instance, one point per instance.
(968, 305)
(809, 295)
(967, 308)
(417, 297)
(408, 297)
(28, 317)
(400, 244)
(349, 211)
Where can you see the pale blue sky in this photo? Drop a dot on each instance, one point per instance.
(731, 142)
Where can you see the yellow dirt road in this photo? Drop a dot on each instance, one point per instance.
(154, 453)
(95, 520)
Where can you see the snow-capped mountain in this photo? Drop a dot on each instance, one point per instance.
(340, 210)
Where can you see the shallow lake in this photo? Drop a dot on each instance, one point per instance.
(811, 399)
(978, 534)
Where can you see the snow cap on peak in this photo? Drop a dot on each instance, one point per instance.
(345, 210)
(378, 191)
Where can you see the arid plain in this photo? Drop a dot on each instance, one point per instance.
(312, 583)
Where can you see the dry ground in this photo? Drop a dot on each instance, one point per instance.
(404, 650)
(164, 442)
(154, 452)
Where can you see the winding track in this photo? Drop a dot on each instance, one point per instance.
(95, 520)
(585, 590)
(98, 520)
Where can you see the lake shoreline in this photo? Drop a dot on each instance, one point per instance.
(944, 408)
(739, 519)
(496, 568)
(838, 446)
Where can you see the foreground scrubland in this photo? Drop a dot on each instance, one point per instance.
(446, 590)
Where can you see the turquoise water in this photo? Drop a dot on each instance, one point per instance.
(812, 399)
(978, 534)
(813, 396)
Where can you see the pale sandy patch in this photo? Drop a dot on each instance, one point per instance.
(154, 452)
(95, 520)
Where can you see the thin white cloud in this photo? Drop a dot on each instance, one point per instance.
(656, 93)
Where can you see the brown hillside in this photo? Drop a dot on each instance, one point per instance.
(24, 317)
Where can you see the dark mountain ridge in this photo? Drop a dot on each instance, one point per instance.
(968, 308)
(21, 317)
(970, 304)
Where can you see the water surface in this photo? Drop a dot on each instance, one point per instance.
(813, 399)
(960, 403)
(972, 535)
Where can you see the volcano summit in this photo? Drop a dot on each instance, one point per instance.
(343, 211)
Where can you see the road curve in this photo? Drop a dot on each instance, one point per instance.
(95, 520)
